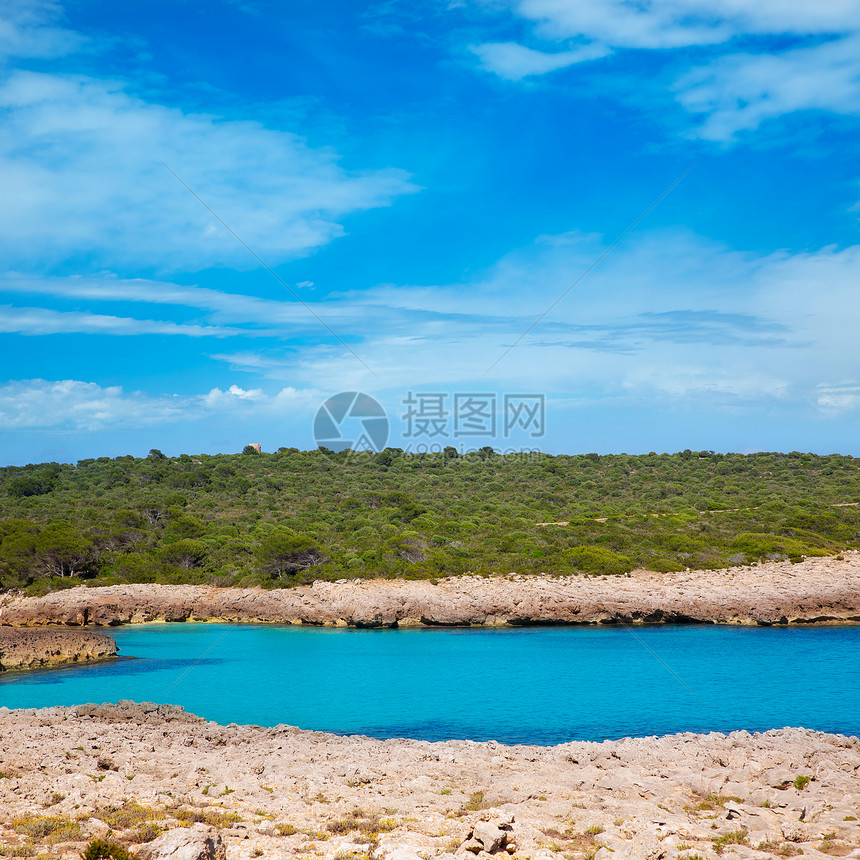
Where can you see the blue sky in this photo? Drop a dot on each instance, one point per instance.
(424, 180)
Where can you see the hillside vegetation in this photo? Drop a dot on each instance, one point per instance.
(295, 516)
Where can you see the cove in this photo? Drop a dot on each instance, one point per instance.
(527, 685)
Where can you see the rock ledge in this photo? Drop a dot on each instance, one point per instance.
(815, 591)
(35, 649)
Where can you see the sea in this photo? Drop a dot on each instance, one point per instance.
(534, 685)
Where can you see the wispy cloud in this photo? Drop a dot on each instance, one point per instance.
(669, 318)
(741, 91)
(680, 23)
(750, 62)
(32, 29)
(514, 62)
(82, 161)
(672, 319)
(839, 398)
(774, 323)
(44, 321)
(232, 308)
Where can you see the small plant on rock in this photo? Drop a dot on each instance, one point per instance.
(101, 849)
(782, 849)
(212, 817)
(130, 814)
(25, 850)
(50, 828)
(476, 802)
(733, 837)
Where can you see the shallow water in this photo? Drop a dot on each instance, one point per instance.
(533, 685)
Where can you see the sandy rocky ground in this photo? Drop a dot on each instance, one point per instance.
(148, 772)
(168, 784)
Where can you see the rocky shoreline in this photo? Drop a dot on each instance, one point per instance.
(37, 649)
(814, 591)
(152, 777)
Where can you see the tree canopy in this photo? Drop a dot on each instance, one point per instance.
(293, 516)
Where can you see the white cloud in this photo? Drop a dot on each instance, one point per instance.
(669, 318)
(751, 79)
(682, 23)
(216, 397)
(28, 29)
(514, 62)
(41, 321)
(223, 309)
(834, 399)
(740, 91)
(72, 404)
(82, 159)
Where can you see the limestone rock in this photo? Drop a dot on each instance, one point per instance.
(30, 648)
(814, 591)
(490, 836)
(397, 852)
(193, 843)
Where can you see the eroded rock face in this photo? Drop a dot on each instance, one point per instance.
(36, 648)
(821, 590)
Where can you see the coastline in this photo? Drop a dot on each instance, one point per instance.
(814, 591)
(284, 792)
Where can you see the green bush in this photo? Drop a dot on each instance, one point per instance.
(597, 560)
(101, 849)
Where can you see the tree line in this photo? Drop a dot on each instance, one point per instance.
(294, 516)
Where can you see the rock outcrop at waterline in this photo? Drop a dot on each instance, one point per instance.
(820, 590)
(37, 648)
(146, 772)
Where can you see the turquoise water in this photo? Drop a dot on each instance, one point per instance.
(533, 685)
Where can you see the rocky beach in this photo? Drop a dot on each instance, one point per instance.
(164, 782)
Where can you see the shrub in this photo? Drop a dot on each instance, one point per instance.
(734, 837)
(212, 817)
(130, 814)
(597, 560)
(26, 850)
(51, 828)
(101, 849)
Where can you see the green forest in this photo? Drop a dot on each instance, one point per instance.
(278, 519)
